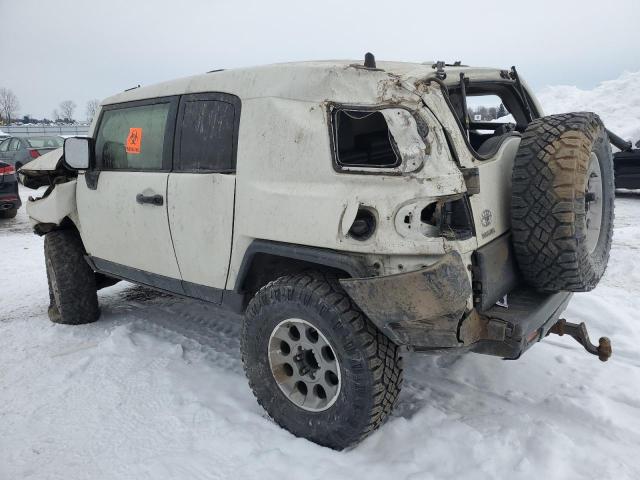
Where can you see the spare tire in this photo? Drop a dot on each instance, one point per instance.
(562, 202)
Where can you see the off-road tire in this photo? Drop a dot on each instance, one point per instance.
(370, 364)
(72, 285)
(548, 209)
(10, 213)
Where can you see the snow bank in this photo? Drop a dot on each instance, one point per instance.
(616, 101)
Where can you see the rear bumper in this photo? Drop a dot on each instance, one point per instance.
(9, 197)
(427, 310)
(525, 321)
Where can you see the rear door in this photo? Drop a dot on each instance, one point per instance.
(201, 191)
(122, 203)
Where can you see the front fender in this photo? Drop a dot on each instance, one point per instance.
(54, 207)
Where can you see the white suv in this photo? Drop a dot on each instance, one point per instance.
(352, 211)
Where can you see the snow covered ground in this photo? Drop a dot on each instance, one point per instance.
(155, 389)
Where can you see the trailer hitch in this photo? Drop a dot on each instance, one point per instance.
(579, 332)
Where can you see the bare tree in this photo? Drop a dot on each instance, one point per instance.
(9, 104)
(56, 115)
(67, 108)
(92, 108)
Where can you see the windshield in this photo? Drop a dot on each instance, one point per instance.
(44, 142)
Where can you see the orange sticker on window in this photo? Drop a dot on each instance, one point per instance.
(134, 140)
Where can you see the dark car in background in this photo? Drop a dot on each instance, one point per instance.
(9, 198)
(18, 151)
(627, 167)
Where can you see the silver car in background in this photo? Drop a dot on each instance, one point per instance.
(18, 151)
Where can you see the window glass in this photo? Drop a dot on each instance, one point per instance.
(363, 140)
(206, 140)
(132, 137)
(488, 108)
(15, 144)
(4, 146)
(44, 142)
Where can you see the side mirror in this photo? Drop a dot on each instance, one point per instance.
(77, 153)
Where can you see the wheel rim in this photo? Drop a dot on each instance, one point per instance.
(593, 203)
(304, 365)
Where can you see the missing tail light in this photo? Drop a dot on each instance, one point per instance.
(456, 221)
(447, 217)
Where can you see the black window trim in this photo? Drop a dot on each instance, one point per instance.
(229, 98)
(169, 133)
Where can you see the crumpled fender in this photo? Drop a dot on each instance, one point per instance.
(53, 208)
(422, 308)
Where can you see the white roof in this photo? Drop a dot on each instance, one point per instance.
(316, 81)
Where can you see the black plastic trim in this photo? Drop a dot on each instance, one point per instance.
(107, 267)
(227, 298)
(350, 263)
(495, 272)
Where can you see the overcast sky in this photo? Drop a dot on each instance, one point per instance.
(57, 50)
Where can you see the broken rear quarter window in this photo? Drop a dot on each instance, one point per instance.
(362, 139)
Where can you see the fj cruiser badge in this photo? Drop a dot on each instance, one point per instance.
(486, 217)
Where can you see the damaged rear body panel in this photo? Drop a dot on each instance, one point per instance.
(421, 309)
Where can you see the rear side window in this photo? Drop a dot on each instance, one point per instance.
(363, 140)
(15, 144)
(44, 142)
(207, 134)
(133, 138)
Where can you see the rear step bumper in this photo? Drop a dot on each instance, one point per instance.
(528, 317)
(426, 310)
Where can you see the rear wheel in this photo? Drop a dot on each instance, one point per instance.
(562, 202)
(316, 364)
(72, 287)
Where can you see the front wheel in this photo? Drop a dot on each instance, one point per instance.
(72, 285)
(316, 364)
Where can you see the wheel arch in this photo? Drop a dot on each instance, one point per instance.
(266, 260)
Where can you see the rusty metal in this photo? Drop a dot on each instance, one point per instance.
(579, 332)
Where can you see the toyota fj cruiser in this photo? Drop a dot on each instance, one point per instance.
(351, 211)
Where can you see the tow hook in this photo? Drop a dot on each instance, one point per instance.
(579, 332)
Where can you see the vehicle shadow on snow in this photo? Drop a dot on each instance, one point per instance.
(204, 329)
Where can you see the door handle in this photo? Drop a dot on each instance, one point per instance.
(157, 200)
